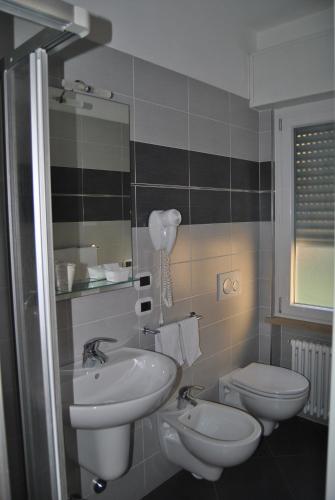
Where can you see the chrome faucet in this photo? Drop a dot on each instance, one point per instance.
(185, 395)
(92, 356)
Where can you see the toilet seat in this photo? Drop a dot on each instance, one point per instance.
(270, 381)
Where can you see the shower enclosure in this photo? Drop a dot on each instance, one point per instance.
(30, 403)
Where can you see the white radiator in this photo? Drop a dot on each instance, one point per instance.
(314, 362)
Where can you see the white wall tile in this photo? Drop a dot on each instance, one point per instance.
(181, 280)
(204, 273)
(265, 120)
(264, 326)
(96, 307)
(123, 328)
(207, 371)
(215, 338)
(247, 263)
(265, 349)
(265, 293)
(159, 125)
(160, 85)
(266, 235)
(245, 236)
(245, 352)
(265, 146)
(210, 240)
(241, 114)
(150, 436)
(208, 101)
(158, 470)
(243, 326)
(209, 136)
(102, 67)
(244, 144)
(137, 443)
(265, 265)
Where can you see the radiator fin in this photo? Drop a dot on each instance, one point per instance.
(313, 360)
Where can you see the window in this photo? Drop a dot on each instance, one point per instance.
(304, 222)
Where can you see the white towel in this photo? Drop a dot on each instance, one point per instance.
(189, 339)
(167, 341)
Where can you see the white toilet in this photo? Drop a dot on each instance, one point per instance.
(270, 393)
(205, 438)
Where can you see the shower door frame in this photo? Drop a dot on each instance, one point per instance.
(44, 296)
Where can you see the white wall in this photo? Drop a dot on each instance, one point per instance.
(23, 30)
(293, 30)
(295, 61)
(206, 42)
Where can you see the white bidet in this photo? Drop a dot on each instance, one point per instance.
(207, 437)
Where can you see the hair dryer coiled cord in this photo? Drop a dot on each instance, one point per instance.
(166, 279)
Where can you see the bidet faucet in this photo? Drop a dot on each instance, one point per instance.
(92, 356)
(185, 395)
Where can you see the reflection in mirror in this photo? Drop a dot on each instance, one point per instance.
(90, 172)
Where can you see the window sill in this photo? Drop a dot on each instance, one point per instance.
(298, 323)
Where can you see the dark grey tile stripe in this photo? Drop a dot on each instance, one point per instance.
(209, 207)
(161, 165)
(205, 188)
(244, 174)
(176, 167)
(209, 170)
(265, 206)
(153, 198)
(89, 194)
(220, 189)
(265, 176)
(244, 206)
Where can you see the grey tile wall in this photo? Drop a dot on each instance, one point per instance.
(185, 133)
(269, 342)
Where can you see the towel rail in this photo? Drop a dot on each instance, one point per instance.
(154, 331)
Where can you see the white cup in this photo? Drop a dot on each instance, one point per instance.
(64, 272)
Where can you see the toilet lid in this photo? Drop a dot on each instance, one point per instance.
(271, 380)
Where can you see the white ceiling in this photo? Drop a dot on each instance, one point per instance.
(259, 15)
(206, 39)
(209, 40)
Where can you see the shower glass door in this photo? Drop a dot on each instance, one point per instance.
(31, 246)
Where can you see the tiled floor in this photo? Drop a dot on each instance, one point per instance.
(288, 465)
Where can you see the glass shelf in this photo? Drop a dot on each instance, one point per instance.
(82, 288)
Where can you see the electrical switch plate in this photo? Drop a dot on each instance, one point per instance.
(144, 281)
(228, 284)
(143, 306)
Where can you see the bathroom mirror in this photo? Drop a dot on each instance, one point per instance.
(90, 181)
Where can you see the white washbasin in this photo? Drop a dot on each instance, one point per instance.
(105, 400)
(132, 383)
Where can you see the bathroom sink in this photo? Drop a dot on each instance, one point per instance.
(130, 385)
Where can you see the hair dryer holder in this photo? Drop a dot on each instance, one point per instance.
(163, 228)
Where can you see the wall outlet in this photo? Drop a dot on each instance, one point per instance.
(228, 284)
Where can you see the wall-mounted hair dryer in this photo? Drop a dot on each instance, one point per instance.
(163, 228)
(163, 231)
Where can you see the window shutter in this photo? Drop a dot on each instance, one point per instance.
(314, 157)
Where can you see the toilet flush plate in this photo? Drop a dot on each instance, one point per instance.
(228, 284)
